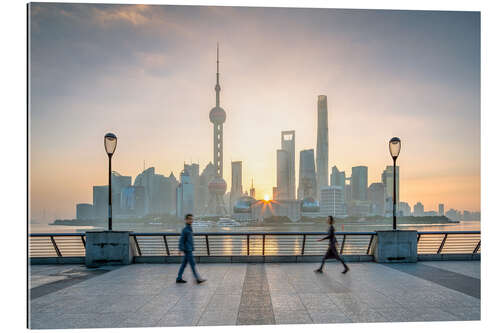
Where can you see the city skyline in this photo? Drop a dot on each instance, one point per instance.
(434, 148)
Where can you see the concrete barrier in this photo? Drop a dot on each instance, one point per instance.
(108, 248)
(395, 246)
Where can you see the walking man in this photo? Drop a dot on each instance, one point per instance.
(186, 245)
(332, 249)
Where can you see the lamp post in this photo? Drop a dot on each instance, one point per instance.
(394, 149)
(110, 141)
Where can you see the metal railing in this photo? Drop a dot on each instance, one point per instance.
(255, 243)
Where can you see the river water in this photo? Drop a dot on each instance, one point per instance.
(292, 227)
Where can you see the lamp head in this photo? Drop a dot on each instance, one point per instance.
(110, 143)
(395, 147)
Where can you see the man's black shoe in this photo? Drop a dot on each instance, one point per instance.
(180, 281)
(200, 281)
(319, 270)
(345, 270)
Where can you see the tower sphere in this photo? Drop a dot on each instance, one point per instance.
(217, 186)
(217, 115)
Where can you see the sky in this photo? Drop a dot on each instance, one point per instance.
(147, 74)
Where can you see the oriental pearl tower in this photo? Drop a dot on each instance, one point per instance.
(217, 186)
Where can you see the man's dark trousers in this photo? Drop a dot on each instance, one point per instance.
(188, 257)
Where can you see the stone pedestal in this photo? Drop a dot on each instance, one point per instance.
(396, 246)
(107, 248)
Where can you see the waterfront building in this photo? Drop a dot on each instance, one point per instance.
(387, 180)
(359, 208)
(376, 196)
(418, 209)
(322, 143)
(263, 209)
(404, 209)
(441, 209)
(84, 211)
(338, 178)
(185, 196)
(359, 183)
(453, 214)
(331, 201)
(307, 175)
(100, 201)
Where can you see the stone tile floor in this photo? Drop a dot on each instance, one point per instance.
(143, 295)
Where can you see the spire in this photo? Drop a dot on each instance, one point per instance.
(217, 86)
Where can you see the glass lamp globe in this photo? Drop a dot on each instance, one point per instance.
(110, 141)
(395, 147)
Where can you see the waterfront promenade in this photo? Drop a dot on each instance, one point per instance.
(142, 295)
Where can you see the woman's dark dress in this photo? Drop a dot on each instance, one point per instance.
(332, 252)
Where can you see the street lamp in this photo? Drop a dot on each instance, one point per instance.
(110, 146)
(394, 149)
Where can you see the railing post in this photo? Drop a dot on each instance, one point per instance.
(137, 245)
(263, 244)
(83, 240)
(477, 247)
(369, 245)
(303, 244)
(442, 243)
(166, 245)
(248, 244)
(343, 242)
(208, 247)
(55, 246)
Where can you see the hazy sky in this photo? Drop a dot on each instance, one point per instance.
(147, 73)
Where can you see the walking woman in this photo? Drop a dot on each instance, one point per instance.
(332, 249)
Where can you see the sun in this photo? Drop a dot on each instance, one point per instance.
(266, 196)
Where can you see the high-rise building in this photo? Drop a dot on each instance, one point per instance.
(376, 196)
(348, 193)
(331, 201)
(283, 175)
(286, 166)
(307, 175)
(84, 211)
(453, 214)
(146, 179)
(387, 180)
(441, 209)
(217, 186)
(118, 182)
(236, 182)
(194, 175)
(185, 196)
(418, 209)
(100, 201)
(322, 143)
(359, 183)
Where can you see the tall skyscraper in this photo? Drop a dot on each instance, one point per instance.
(217, 186)
(322, 143)
(441, 209)
(236, 182)
(283, 175)
(288, 145)
(307, 175)
(359, 183)
(337, 178)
